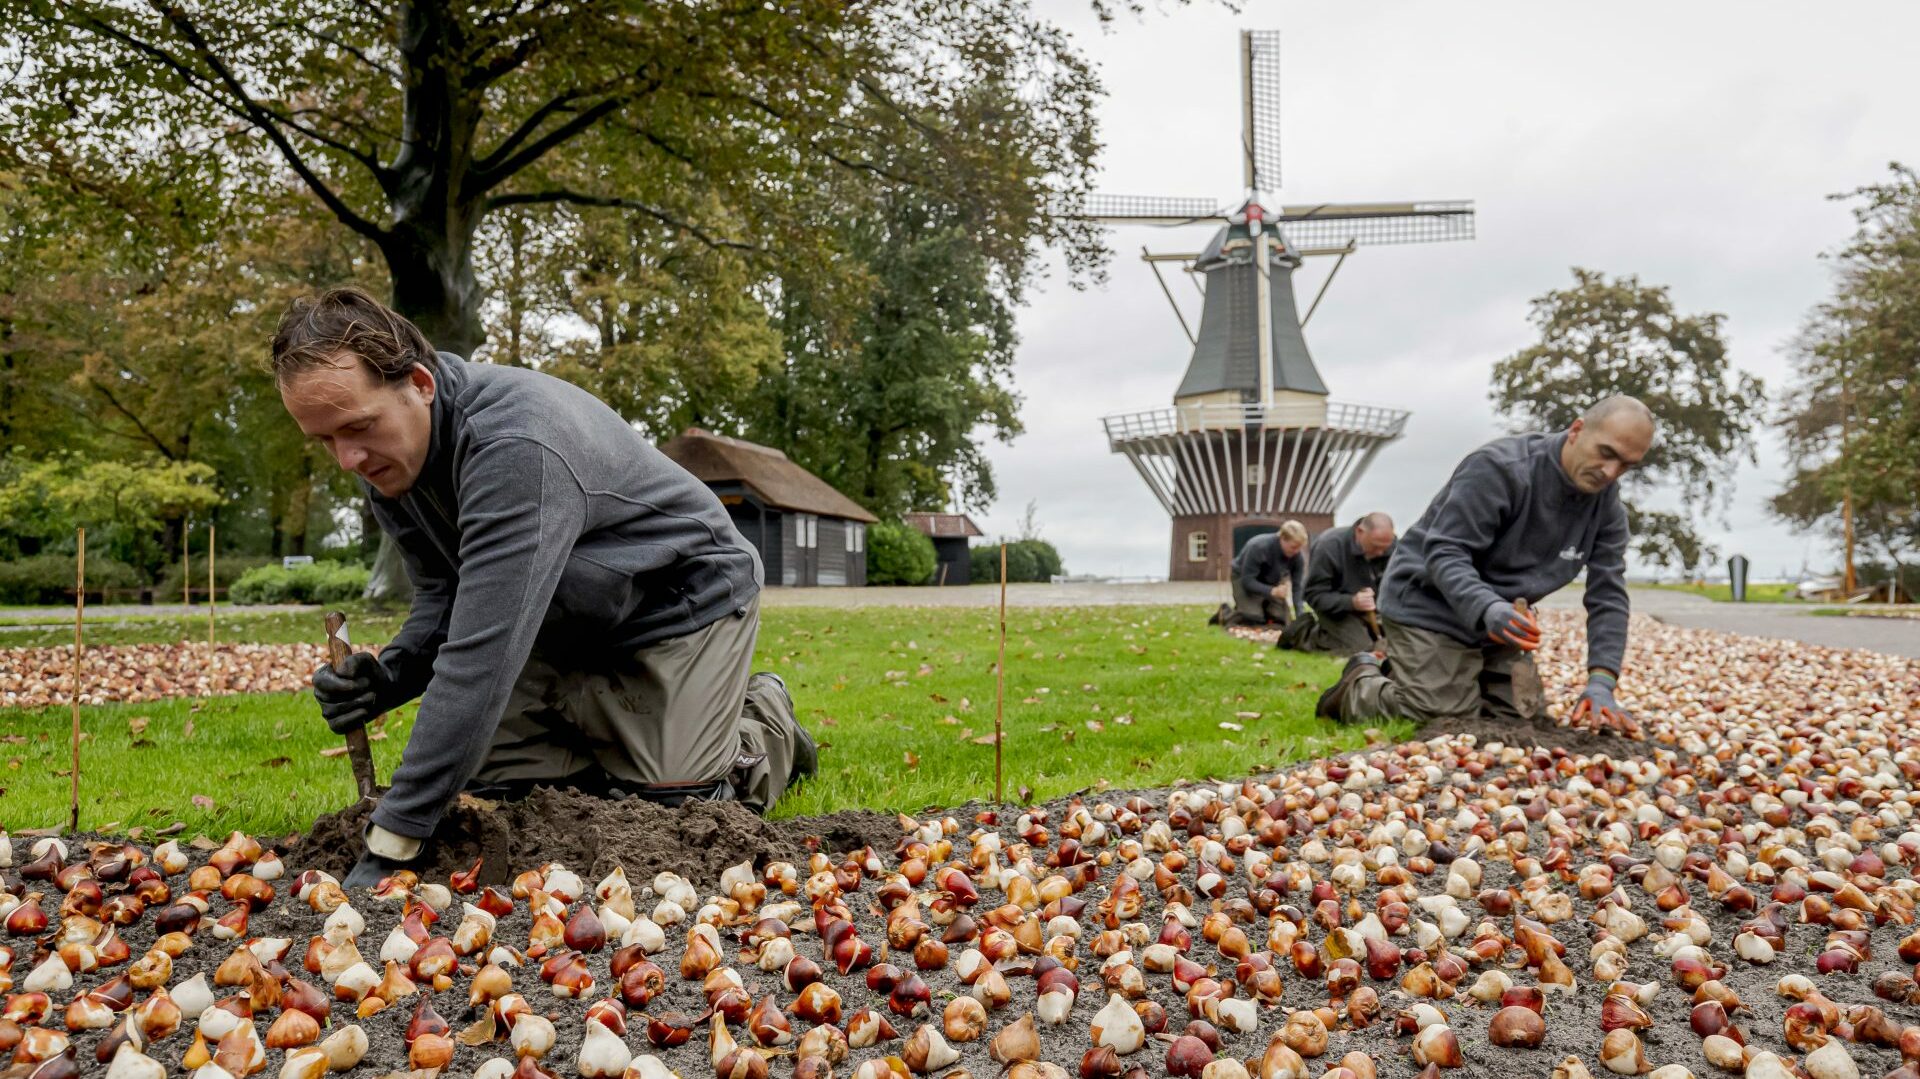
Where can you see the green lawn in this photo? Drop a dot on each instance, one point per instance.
(900, 699)
(230, 624)
(1756, 593)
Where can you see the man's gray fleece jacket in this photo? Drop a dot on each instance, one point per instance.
(1509, 523)
(541, 520)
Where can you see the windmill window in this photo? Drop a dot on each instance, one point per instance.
(1253, 475)
(1196, 546)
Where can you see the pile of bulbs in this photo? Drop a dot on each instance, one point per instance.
(1380, 914)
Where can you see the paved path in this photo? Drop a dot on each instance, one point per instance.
(1794, 622)
(1896, 636)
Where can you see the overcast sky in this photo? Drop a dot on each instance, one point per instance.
(1693, 144)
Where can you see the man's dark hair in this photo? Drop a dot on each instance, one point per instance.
(344, 322)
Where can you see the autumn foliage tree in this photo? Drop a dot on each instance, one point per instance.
(1852, 416)
(1604, 336)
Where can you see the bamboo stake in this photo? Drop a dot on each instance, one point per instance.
(212, 600)
(186, 566)
(79, 616)
(1000, 682)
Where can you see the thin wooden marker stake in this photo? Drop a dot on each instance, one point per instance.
(79, 616)
(1000, 681)
(212, 600)
(186, 567)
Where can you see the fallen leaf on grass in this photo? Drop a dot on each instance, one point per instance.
(203, 802)
(1096, 726)
(913, 759)
(276, 762)
(137, 725)
(12, 739)
(187, 731)
(334, 751)
(1231, 727)
(986, 740)
(1246, 715)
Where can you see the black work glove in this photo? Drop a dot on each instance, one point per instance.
(349, 701)
(374, 867)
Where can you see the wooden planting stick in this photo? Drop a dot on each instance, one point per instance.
(212, 601)
(1000, 681)
(79, 615)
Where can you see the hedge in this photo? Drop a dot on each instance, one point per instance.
(227, 568)
(317, 582)
(897, 554)
(1029, 561)
(47, 579)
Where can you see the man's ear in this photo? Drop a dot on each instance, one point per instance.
(422, 380)
(1577, 426)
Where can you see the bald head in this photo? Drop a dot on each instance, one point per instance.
(1618, 404)
(1606, 442)
(1374, 533)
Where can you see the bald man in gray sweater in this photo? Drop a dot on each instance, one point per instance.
(1518, 520)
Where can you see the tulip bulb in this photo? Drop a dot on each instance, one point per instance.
(603, 1054)
(927, 1051)
(1119, 1026)
(1622, 1053)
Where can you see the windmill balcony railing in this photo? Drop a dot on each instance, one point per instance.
(1373, 420)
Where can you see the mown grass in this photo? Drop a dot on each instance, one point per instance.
(1723, 593)
(901, 700)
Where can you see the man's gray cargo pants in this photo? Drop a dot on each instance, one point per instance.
(1437, 677)
(677, 718)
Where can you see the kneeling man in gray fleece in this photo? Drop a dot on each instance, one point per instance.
(584, 610)
(1518, 520)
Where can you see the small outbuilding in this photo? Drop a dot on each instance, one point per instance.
(949, 533)
(807, 532)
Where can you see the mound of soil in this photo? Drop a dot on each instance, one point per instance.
(1545, 733)
(592, 835)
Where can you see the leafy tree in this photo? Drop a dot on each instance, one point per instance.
(757, 128)
(897, 554)
(1604, 336)
(887, 410)
(125, 503)
(1852, 416)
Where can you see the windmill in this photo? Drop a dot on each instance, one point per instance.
(1252, 438)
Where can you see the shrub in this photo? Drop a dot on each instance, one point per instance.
(1028, 560)
(227, 568)
(318, 582)
(897, 554)
(47, 579)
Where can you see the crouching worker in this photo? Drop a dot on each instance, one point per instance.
(584, 610)
(1344, 568)
(1518, 520)
(1267, 577)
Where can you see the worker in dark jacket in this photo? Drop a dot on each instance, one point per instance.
(1268, 577)
(584, 611)
(1518, 520)
(1344, 566)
